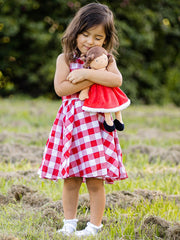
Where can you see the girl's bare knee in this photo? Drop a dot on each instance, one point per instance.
(94, 184)
(72, 184)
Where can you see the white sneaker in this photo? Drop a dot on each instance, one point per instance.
(69, 227)
(90, 230)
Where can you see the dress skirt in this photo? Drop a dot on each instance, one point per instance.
(79, 146)
(105, 99)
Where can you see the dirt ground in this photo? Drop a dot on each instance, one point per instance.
(123, 199)
(15, 152)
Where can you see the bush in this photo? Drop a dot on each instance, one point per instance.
(149, 34)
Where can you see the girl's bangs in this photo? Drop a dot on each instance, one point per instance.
(89, 24)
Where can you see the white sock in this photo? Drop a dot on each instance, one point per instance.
(71, 221)
(91, 229)
(94, 226)
(69, 226)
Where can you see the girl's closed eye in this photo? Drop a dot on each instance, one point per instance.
(85, 34)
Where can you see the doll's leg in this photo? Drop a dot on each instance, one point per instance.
(84, 94)
(108, 123)
(118, 116)
(108, 119)
(118, 122)
(97, 205)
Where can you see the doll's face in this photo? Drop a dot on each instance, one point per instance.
(99, 62)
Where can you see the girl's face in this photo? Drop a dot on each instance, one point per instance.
(94, 36)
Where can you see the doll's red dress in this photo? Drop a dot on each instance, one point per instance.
(105, 99)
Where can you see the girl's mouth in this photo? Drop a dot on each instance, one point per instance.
(87, 47)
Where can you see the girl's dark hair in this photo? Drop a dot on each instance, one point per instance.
(89, 16)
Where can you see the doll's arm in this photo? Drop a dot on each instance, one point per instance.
(84, 94)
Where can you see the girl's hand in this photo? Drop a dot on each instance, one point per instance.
(77, 76)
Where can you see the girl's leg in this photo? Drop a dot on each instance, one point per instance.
(97, 205)
(70, 196)
(97, 199)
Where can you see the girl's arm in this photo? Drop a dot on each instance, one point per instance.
(62, 86)
(110, 78)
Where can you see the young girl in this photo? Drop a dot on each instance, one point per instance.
(79, 149)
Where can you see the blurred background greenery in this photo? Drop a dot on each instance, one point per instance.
(149, 51)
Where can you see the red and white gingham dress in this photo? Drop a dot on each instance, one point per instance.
(79, 146)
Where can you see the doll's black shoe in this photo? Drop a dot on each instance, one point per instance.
(108, 127)
(118, 125)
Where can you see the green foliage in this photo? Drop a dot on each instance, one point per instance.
(149, 34)
(173, 83)
(30, 43)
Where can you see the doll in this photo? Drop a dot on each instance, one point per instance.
(99, 98)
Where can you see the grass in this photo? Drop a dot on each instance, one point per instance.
(27, 122)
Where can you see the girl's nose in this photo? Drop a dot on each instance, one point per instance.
(90, 40)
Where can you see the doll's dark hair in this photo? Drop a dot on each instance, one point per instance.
(93, 53)
(87, 17)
